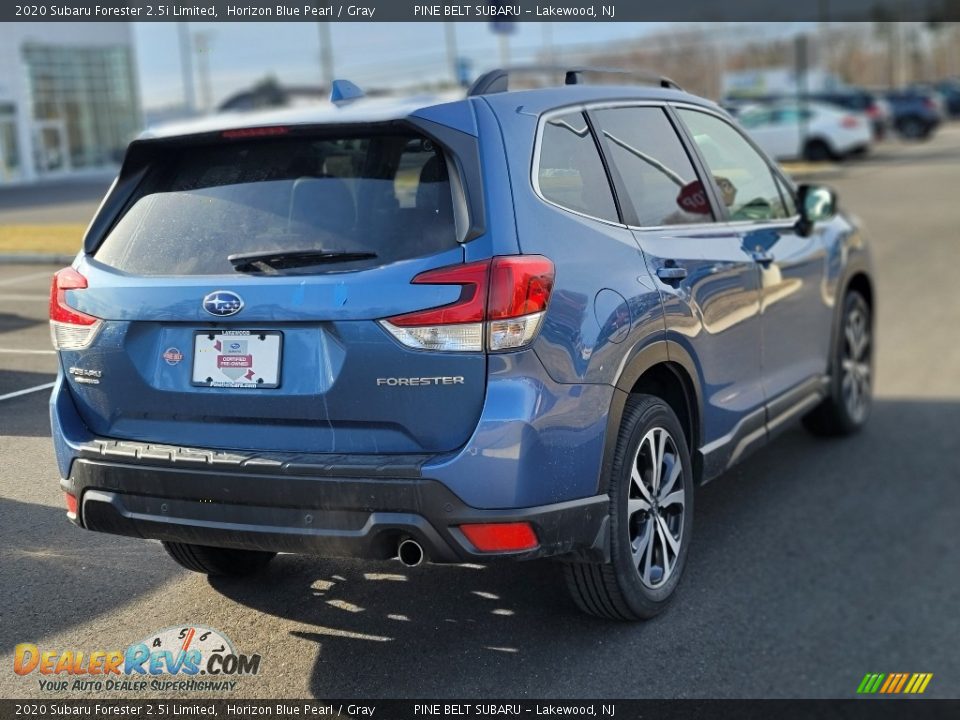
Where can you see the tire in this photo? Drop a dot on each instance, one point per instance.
(629, 586)
(913, 128)
(817, 151)
(847, 408)
(217, 561)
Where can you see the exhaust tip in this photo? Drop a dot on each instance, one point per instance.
(410, 553)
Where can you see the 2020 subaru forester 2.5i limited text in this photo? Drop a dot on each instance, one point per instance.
(521, 324)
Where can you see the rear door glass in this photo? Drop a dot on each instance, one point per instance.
(382, 194)
(657, 173)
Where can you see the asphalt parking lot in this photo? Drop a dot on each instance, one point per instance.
(813, 563)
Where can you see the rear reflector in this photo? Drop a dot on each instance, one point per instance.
(72, 504)
(70, 329)
(501, 306)
(850, 122)
(501, 537)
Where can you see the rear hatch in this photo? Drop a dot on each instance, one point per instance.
(241, 290)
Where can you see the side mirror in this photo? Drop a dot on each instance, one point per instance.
(815, 203)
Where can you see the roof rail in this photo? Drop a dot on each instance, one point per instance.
(498, 80)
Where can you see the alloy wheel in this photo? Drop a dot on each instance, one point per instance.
(655, 506)
(855, 364)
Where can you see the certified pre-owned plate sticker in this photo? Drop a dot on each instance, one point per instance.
(237, 359)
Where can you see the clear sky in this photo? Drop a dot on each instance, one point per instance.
(367, 53)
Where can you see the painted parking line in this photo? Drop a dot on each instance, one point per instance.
(24, 278)
(26, 391)
(23, 351)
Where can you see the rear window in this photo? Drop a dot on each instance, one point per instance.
(382, 194)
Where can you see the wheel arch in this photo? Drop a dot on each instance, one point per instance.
(666, 370)
(860, 281)
(857, 278)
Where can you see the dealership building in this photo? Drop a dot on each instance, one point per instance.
(68, 98)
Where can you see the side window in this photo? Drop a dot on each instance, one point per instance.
(745, 180)
(570, 172)
(657, 173)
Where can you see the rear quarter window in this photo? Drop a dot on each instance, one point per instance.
(386, 194)
(569, 172)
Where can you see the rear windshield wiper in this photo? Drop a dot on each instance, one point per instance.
(266, 261)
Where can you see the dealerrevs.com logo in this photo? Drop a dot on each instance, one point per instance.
(186, 658)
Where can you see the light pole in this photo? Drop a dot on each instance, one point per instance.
(201, 42)
(450, 33)
(326, 54)
(186, 67)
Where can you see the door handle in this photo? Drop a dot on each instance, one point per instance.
(670, 273)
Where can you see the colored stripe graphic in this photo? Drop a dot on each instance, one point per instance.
(870, 683)
(894, 683)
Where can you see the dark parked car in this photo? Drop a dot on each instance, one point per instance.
(916, 112)
(950, 91)
(451, 331)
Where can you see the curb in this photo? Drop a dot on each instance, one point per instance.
(35, 259)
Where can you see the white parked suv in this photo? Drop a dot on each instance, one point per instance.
(813, 131)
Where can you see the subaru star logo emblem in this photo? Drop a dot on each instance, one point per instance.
(222, 303)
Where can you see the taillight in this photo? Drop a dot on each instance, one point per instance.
(850, 122)
(519, 290)
(70, 329)
(874, 111)
(501, 306)
(929, 103)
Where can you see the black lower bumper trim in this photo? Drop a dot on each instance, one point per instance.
(334, 517)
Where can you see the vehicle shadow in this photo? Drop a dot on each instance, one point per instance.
(27, 415)
(792, 561)
(12, 322)
(46, 566)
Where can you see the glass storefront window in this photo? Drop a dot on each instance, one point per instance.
(9, 149)
(88, 91)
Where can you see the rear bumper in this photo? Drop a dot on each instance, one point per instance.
(311, 512)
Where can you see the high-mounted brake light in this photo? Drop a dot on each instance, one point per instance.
(70, 329)
(501, 305)
(240, 133)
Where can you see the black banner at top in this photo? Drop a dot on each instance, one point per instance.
(51, 708)
(498, 12)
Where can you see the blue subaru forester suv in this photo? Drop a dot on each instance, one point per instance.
(520, 324)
